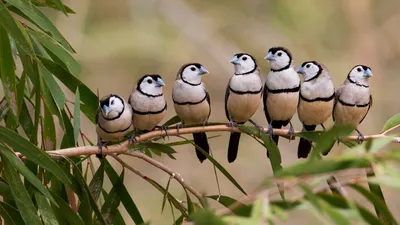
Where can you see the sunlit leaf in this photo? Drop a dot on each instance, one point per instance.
(45, 210)
(327, 139)
(392, 122)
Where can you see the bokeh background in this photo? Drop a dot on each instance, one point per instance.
(119, 41)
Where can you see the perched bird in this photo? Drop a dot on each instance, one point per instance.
(242, 96)
(317, 95)
(192, 102)
(353, 99)
(148, 102)
(113, 120)
(281, 90)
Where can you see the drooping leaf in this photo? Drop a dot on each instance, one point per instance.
(7, 75)
(392, 122)
(49, 130)
(165, 195)
(77, 115)
(126, 198)
(15, 29)
(72, 83)
(96, 183)
(172, 121)
(45, 210)
(36, 155)
(110, 206)
(53, 86)
(10, 215)
(65, 213)
(20, 194)
(28, 175)
(239, 209)
(206, 217)
(219, 167)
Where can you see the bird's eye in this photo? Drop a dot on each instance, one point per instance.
(244, 58)
(112, 102)
(192, 68)
(308, 66)
(359, 69)
(149, 81)
(279, 53)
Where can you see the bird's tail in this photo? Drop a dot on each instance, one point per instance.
(305, 145)
(233, 146)
(200, 139)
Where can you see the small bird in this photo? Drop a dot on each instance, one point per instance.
(148, 102)
(317, 95)
(353, 99)
(281, 90)
(113, 120)
(192, 102)
(242, 96)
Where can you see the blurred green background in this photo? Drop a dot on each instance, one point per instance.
(119, 41)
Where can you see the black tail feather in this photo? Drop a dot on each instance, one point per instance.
(200, 139)
(233, 146)
(305, 145)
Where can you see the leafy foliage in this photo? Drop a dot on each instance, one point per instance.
(42, 189)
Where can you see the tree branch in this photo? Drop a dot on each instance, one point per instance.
(123, 146)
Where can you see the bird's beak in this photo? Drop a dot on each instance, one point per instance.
(300, 70)
(367, 73)
(269, 57)
(160, 82)
(106, 109)
(202, 71)
(235, 60)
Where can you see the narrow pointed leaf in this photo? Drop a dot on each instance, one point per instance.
(126, 198)
(110, 206)
(77, 115)
(392, 122)
(240, 209)
(172, 121)
(65, 213)
(96, 184)
(49, 130)
(45, 210)
(10, 215)
(165, 195)
(53, 86)
(20, 195)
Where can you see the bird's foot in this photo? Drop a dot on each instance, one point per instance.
(291, 132)
(259, 127)
(270, 131)
(165, 129)
(360, 138)
(132, 140)
(178, 126)
(231, 124)
(100, 146)
(338, 140)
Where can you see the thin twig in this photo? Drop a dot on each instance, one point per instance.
(123, 146)
(391, 129)
(164, 168)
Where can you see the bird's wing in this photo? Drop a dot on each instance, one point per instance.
(265, 95)
(337, 95)
(226, 100)
(369, 106)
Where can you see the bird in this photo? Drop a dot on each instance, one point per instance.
(281, 91)
(148, 102)
(192, 102)
(242, 96)
(353, 99)
(315, 106)
(113, 120)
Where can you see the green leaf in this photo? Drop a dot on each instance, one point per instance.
(77, 115)
(45, 210)
(20, 195)
(10, 215)
(110, 206)
(40, 20)
(96, 183)
(219, 167)
(25, 120)
(34, 154)
(7, 75)
(28, 175)
(125, 197)
(159, 148)
(4, 189)
(240, 209)
(54, 88)
(65, 213)
(15, 29)
(313, 167)
(327, 139)
(172, 121)
(58, 50)
(189, 203)
(21, 92)
(324, 207)
(165, 195)
(60, 6)
(89, 99)
(379, 204)
(49, 130)
(68, 140)
(310, 135)
(392, 122)
(206, 217)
